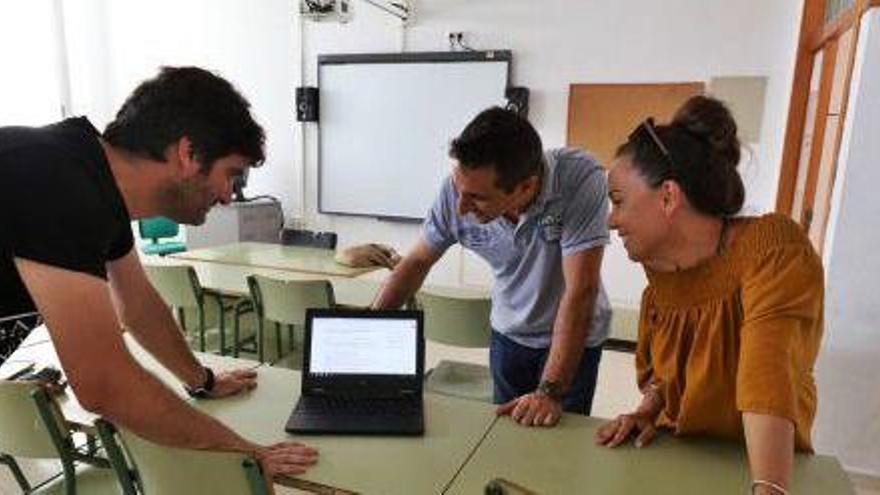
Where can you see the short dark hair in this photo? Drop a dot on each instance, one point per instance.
(501, 139)
(703, 153)
(191, 102)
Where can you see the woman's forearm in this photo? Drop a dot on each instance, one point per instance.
(652, 401)
(770, 444)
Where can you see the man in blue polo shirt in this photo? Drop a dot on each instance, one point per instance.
(539, 220)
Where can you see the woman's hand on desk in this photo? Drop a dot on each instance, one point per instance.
(641, 422)
(233, 382)
(615, 432)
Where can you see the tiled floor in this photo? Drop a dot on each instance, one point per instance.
(615, 393)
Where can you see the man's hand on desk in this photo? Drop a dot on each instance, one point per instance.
(233, 382)
(532, 409)
(285, 458)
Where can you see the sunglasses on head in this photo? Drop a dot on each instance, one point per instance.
(647, 128)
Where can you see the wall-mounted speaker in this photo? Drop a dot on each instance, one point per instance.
(518, 100)
(307, 104)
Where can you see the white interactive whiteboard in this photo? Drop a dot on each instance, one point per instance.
(386, 121)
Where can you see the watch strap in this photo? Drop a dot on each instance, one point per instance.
(551, 389)
(204, 389)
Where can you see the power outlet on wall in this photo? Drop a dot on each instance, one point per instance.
(456, 40)
(324, 10)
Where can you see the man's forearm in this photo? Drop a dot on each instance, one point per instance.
(145, 408)
(156, 330)
(570, 331)
(404, 281)
(770, 443)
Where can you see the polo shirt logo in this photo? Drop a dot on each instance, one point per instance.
(550, 227)
(475, 237)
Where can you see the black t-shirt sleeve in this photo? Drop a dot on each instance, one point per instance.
(122, 245)
(67, 221)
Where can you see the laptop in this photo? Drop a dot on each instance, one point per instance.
(362, 373)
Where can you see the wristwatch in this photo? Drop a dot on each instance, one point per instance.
(551, 389)
(204, 390)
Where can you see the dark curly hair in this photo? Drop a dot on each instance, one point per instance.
(703, 153)
(191, 102)
(501, 139)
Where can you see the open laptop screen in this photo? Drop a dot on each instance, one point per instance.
(363, 346)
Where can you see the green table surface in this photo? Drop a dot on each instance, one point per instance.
(364, 464)
(464, 446)
(43, 354)
(274, 256)
(566, 459)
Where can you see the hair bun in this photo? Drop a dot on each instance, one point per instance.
(710, 120)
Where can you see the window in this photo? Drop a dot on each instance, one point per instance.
(835, 7)
(32, 86)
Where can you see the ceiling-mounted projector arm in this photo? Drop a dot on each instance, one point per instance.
(402, 9)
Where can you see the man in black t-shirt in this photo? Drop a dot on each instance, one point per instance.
(66, 249)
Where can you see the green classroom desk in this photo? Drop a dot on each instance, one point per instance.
(43, 354)
(365, 464)
(274, 256)
(565, 459)
(465, 447)
(349, 291)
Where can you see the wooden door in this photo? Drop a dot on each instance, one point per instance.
(817, 114)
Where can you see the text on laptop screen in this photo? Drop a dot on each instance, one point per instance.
(368, 346)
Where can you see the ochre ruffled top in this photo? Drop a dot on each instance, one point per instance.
(738, 333)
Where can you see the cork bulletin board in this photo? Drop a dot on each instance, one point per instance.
(601, 116)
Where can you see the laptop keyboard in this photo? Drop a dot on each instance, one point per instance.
(363, 406)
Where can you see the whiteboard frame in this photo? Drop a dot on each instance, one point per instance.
(493, 56)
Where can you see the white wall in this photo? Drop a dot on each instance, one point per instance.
(115, 45)
(848, 368)
(559, 42)
(30, 93)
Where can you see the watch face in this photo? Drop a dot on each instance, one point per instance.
(550, 388)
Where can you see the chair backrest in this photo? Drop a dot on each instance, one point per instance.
(286, 301)
(157, 227)
(177, 284)
(23, 433)
(296, 237)
(14, 329)
(162, 469)
(456, 321)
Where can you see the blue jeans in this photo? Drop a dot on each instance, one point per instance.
(517, 369)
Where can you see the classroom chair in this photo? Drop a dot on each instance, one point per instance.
(14, 330)
(307, 238)
(32, 427)
(359, 293)
(284, 302)
(197, 310)
(156, 228)
(154, 469)
(459, 322)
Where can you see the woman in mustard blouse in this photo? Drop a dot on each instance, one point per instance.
(731, 319)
